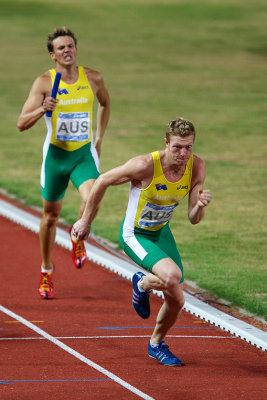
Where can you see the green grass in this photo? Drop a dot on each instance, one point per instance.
(204, 60)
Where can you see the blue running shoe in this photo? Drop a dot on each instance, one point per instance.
(163, 354)
(140, 299)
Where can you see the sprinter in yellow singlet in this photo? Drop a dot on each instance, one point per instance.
(158, 181)
(69, 151)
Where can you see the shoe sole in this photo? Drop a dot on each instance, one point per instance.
(138, 312)
(167, 365)
(46, 297)
(142, 316)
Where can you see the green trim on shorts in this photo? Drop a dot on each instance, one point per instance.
(158, 244)
(61, 166)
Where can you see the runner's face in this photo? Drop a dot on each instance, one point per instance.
(180, 149)
(65, 51)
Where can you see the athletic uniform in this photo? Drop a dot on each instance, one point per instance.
(145, 233)
(68, 151)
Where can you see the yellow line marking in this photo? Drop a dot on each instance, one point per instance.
(17, 322)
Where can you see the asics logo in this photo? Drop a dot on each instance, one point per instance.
(82, 87)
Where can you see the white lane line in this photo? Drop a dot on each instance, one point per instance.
(121, 337)
(126, 269)
(75, 354)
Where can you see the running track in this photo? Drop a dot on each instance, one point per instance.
(89, 344)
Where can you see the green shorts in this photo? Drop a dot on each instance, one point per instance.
(146, 248)
(60, 166)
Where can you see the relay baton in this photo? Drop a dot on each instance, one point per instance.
(54, 90)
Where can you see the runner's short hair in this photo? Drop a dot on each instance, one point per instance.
(63, 31)
(180, 127)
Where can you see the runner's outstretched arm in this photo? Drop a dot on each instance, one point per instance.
(134, 170)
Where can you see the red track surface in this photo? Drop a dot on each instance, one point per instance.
(96, 304)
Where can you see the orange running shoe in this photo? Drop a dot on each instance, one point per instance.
(78, 251)
(46, 289)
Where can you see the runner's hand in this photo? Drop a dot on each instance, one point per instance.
(81, 229)
(204, 198)
(49, 103)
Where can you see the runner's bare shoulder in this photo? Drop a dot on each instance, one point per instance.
(93, 76)
(43, 84)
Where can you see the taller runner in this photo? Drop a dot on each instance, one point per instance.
(69, 151)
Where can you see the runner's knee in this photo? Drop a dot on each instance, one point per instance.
(172, 279)
(50, 219)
